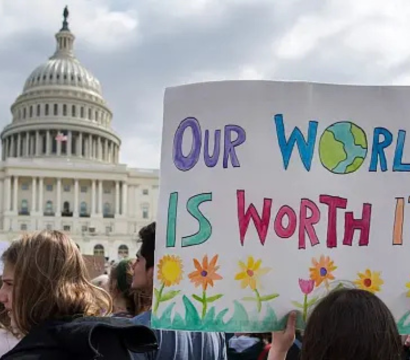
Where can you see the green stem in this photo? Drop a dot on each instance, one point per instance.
(158, 299)
(258, 299)
(305, 307)
(204, 304)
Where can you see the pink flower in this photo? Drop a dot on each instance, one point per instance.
(306, 286)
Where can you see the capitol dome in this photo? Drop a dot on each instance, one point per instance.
(61, 111)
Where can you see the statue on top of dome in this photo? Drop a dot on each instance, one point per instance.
(65, 22)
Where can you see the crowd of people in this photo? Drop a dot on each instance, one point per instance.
(51, 310)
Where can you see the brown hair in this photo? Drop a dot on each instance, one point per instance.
(121, 276)
(51, 280)
(351, 324)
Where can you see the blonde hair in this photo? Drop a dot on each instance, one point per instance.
(51, 280)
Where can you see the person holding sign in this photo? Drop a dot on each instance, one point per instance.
(176, 345)
(346, 324)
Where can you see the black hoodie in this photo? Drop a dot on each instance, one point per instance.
(87, 338)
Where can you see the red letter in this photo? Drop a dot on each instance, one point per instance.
(261, 224)
(280, 230)
(306, 223)
(334, 203)
(363, 224)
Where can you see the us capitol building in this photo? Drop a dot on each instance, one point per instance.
(60, 162)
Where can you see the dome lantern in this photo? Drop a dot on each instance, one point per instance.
(65, 40)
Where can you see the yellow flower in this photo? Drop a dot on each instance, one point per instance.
(408, 287)
(369, 280)
(170, 270)
(322, 270)
(250, 273)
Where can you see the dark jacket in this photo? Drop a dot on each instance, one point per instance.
(84, 339)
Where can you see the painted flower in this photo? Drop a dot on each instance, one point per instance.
(205, 273)
(170, 270)
(370, 281)
(250, 273)
(322, 270)
(306, 286)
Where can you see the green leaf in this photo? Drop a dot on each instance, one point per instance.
(156, 293)
(169, 295)
(269, 297)
(166, 315)
(197, 298)
(249, 299)
(214, 298)
(297, 304)
(220, 317)
(192, 318)
(208, 320)
(312, 301)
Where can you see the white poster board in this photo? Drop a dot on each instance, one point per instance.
(274, 193)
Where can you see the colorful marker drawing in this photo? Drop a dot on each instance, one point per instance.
(205, 274)
(322, 271)
(306, 286)
(249, 277)
(170, 271)
(369, 280)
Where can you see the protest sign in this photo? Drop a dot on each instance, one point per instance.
(273, 194)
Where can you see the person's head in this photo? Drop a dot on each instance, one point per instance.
(45, 278)
(351, 324)
(144, 265)
(121, 277)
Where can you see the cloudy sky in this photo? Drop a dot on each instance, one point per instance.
(139, 47)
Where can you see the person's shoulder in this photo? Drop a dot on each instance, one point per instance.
(142, 319)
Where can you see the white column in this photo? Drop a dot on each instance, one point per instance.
(12, 148)
(124, 199)
(48, 143)
(105, 156)
(90, 146)
(7, 193)
(40, 195)
(100, 152)
(38, 143)
(117, 198)
(58, 207)
(80, 144)
(58, 148)
(33, 194)
(76, 198)
(100, 197)
(18, 153)
(15, 192)
(93, 197)
(69, 143)
(27, 148)
(3, 150)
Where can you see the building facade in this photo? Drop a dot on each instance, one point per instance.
(60, 162)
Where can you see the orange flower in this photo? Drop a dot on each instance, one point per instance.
(205, 273)
(322, 270)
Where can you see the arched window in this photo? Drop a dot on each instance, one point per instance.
(24, 206)
(90, 114)
(96, 116)
(46, 110)
(38, 110)
(24, 113)
(82, 112)
(31, 111)
(107, 208)
(73, 112)
(64, 110)
(66, 206)
(99, 250)
(49, 207)
(55, 109)
(145, 212)
(123, 251)
(83, 208)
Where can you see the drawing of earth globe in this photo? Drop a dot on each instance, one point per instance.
(343, 147)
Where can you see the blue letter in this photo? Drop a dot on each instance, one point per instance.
(305, 148)
(378, 149)
(398, 154)
(182, 162)
(230, 145)
(205, 228)
(212, 160)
